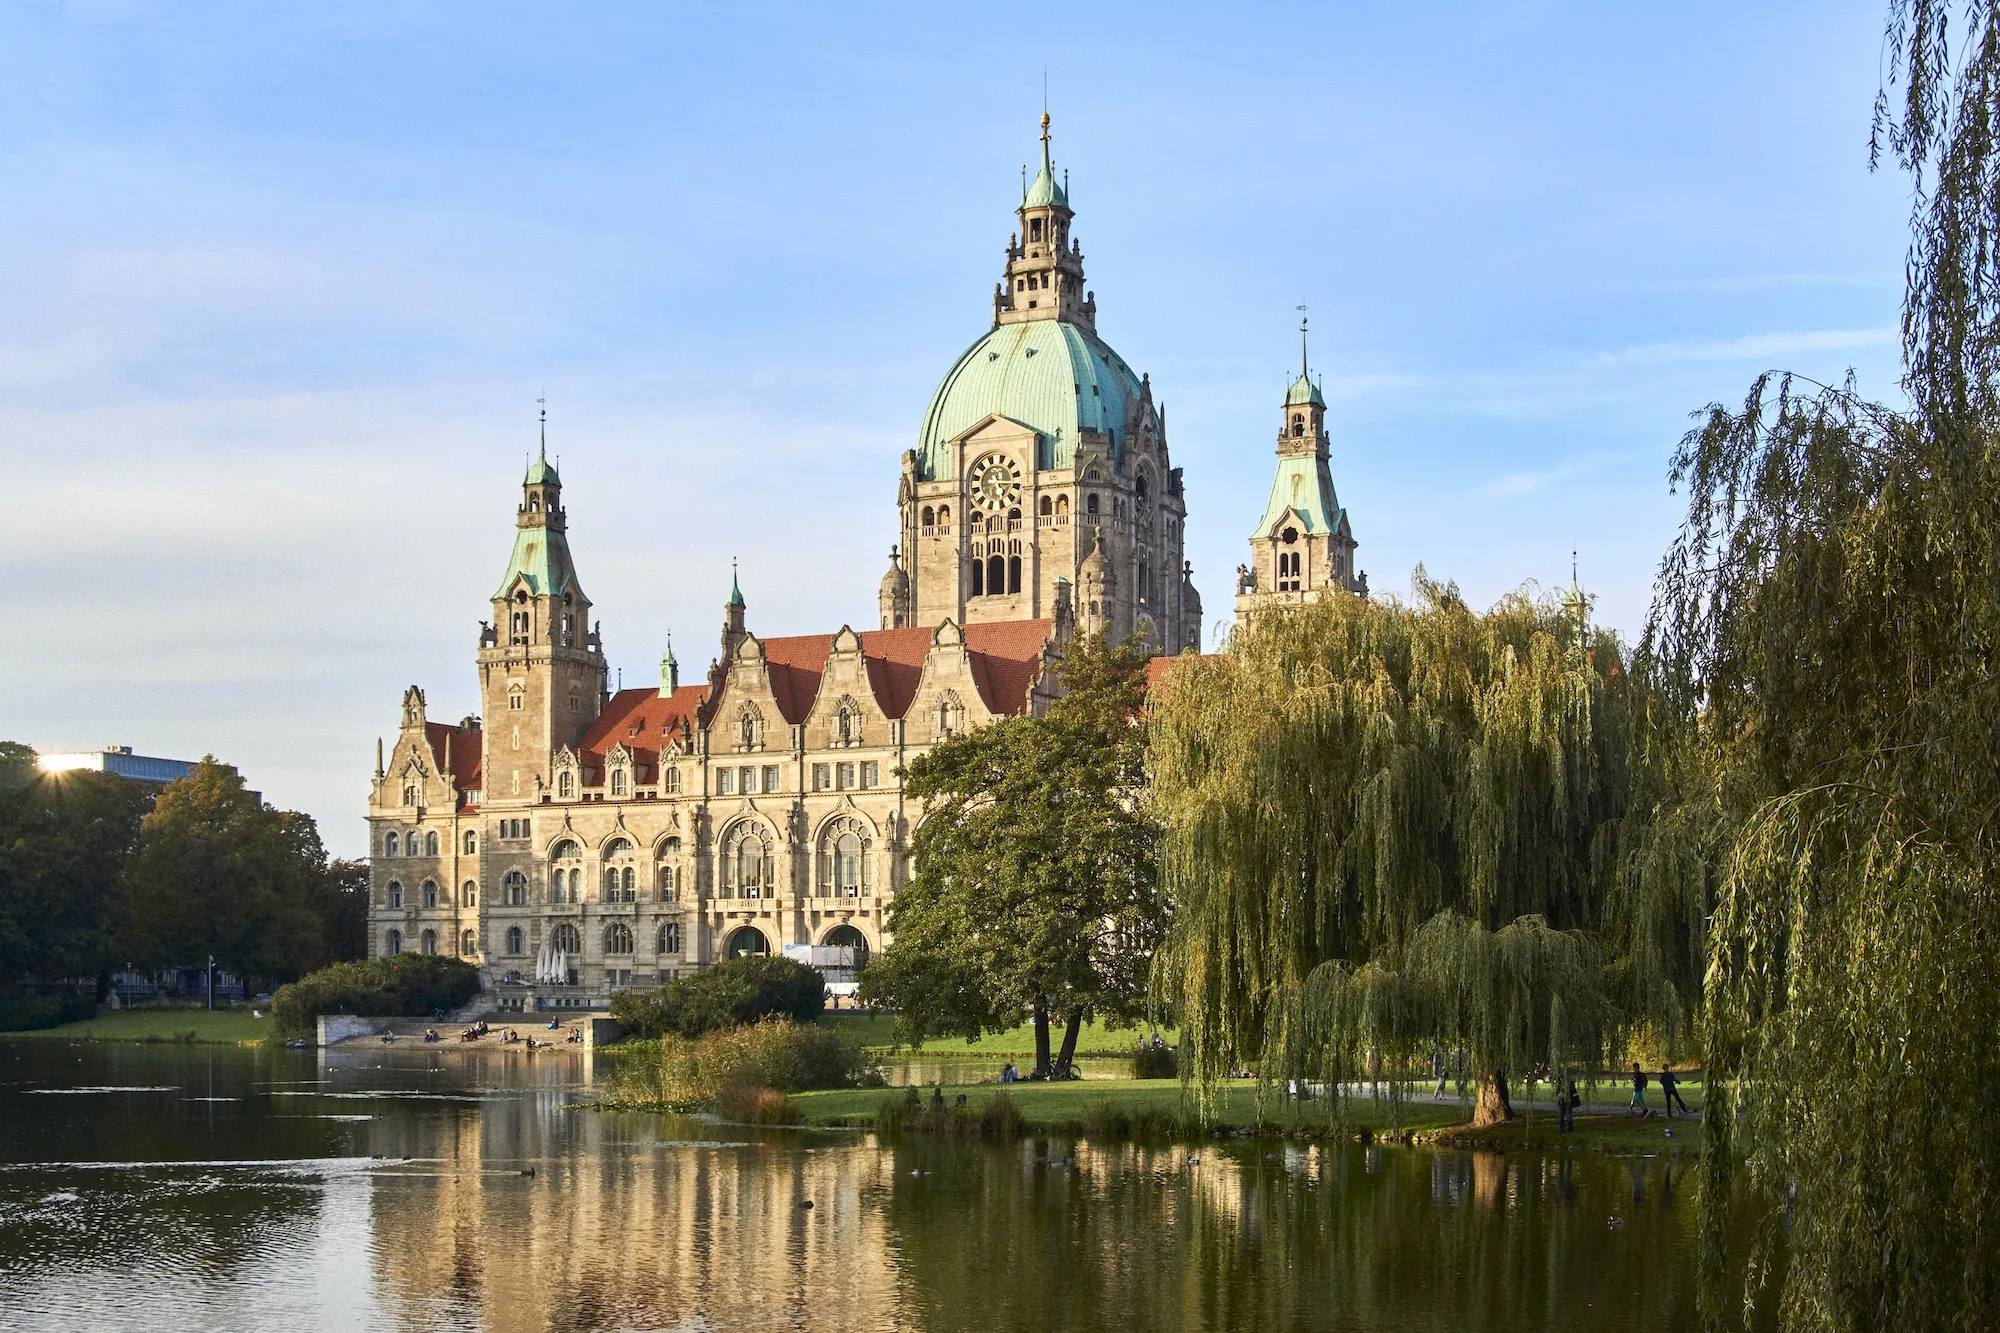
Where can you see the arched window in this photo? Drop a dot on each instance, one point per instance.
(427, 894)
(629, 878)
(950, 714)
(1047, 507)
(395, 895)
(410, 798)
(392, 845)
(846, 859)
(978, 577)
(747, 863)
(669, 939)
(944, 516)
(392, 943)
(565, 785)
(516, 885)
(429, 941)
(515, 940)
(468, 893)
(566, 850)
(1090, 504)
(617, 782)
(618, 938)
(996, 574)
(468, 944)
(930, 517)
(1298, 423)
(1062, 507)
(430, 844)
(847, 937)
(1013, 573)
(1143, 486)
(566, 939)
(471, 842)
(668, 877)
(748, 942)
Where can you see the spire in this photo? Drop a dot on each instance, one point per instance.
(1303, 391)
(539, 472)
(670, 670)
(1045, 192)
(735, 588)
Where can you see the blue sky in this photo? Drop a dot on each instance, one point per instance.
(279, 286)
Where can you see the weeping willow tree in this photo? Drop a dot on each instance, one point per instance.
(1825, 628)
(1391, 828)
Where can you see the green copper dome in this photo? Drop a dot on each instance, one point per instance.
(1303, 392)
(1054, 377)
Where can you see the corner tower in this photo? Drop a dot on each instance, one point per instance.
(1304, 545)
(541, 662)
(1039, 445)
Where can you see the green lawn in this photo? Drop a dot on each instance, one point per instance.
(877, 1032)
(225, 1026)
(1063, 1107)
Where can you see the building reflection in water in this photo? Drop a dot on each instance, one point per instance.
(656, 1222)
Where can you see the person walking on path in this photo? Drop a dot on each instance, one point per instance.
(1638, 1091)
(1670, 1089)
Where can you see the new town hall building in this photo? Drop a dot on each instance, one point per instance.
(571, 840)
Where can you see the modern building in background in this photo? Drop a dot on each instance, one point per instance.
(118, 759)
(572, 841)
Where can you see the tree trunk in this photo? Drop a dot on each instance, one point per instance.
(1069, 1042)
(1492, 1108)
(1041, 1037)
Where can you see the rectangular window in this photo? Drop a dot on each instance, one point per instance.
(771, 778)
(673, 776)
(749, 776)
(725, 781)
(822, 776)
(871, 775)
(845, 780)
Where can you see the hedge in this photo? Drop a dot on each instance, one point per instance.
(408, 985)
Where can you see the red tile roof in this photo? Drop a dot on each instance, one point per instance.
(467, 749)
(651, 715)
(1006, 662)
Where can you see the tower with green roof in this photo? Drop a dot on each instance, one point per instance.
(1039, 441)
(542, 671)
(1304, 545)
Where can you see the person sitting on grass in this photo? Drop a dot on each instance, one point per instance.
(1638, 1091)
(937, 1098)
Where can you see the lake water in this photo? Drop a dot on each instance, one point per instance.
(163, 1187)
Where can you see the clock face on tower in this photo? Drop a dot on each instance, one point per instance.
(996, 483)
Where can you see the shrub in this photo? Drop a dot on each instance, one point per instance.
(742, 990)
(408, 985)
(775, 1054)
(1156, 1062)
(757, 1106)
(24, 1013)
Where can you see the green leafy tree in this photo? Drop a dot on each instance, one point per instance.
(731, 993)
(218, 872)
(1824, 631)
(65, 839)
(409, 984)
(1392, 828)
(1034, 885)
(339, 898)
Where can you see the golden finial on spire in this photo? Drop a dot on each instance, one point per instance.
(1045, 127)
